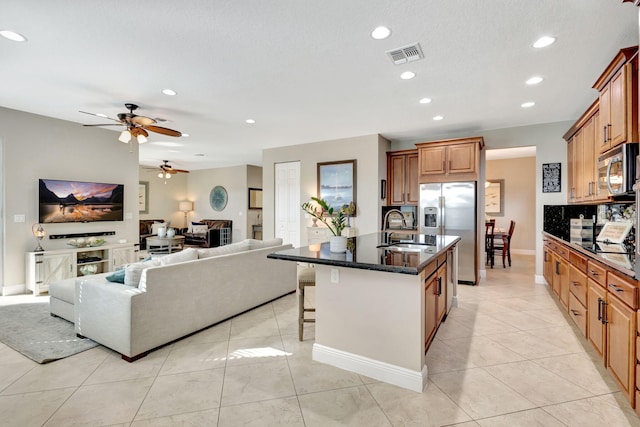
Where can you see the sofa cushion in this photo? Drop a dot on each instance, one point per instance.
(156, 225)
(192, 223)
(117, 276)
(224, 250)
(189, 254)
(259, 244)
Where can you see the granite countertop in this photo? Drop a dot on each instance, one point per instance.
(365, 252)
(614, 256)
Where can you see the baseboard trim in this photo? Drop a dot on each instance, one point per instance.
(392, 374)
(539, 279)
(13, 290)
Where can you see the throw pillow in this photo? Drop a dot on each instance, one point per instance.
(117, 276)
(224, 250)
(133, 272)
(188, 254)
(191, 224)
(200, 229)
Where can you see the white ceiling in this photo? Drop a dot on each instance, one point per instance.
(305, 70)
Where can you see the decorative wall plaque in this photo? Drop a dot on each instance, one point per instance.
(551, 174)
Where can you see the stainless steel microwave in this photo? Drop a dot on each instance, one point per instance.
(617, 170)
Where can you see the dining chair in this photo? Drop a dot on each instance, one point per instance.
(503, 244)
(489, 227)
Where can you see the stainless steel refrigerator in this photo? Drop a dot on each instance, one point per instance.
(450, 208)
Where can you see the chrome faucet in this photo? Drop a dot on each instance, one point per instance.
(385, 223)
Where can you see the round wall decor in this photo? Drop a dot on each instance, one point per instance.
(218, 198)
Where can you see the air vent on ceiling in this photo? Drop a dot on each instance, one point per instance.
(405, 54)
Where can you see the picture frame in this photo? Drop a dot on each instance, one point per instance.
(337, 183)
(255, 198)
(143, 197)
(494, 197)
(551, 177)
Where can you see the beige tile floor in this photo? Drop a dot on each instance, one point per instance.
(507, 356)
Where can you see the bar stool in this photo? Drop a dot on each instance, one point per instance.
(306, 277)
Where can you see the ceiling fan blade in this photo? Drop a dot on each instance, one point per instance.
(102, 116)
(180, 170)
(107, 124)
(142, 120)
(164, 131)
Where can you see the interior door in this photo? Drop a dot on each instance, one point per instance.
(287, 202)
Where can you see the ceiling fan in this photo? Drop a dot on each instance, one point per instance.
(136, 126)
(166, 170)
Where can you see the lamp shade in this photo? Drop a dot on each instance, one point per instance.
(186, 206)
(125, 136)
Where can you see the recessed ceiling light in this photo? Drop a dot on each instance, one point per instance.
(527, 104)
(199, 155)
(534, 80)
(407, 75)
(438, 118)
(544, 42)
(169, 92)
(13, 36)
(102, 115)
(380, 33)
(425, 101)
(250, 121)
(185, 134)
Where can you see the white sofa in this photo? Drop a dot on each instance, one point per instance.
(175, 300)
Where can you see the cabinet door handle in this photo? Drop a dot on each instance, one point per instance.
(444, 166)
(604, 312)
(593, 273)
(608, 132)
(575, 312)
(557, 268)
(604, 134)
(615, 288)
(574, 283)
(449, 164)
(600, 309)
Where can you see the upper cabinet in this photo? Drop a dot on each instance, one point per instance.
(402, 177)
(449, 160)
(618, 87)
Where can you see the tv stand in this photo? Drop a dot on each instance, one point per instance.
(45, 267)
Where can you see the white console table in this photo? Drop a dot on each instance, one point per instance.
(45, 267)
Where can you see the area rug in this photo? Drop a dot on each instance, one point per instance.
(32, 331)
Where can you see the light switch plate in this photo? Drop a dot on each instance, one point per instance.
(335, 275)
(19, 218)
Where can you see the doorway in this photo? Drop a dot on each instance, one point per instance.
(287, 202)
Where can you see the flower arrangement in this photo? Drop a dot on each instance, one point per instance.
(335, 224)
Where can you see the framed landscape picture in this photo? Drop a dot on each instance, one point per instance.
(337, 183)
(143, 197)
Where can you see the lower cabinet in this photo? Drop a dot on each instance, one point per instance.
(547, 271)
(43, 268)
(561, 279)
(435, 301)
(620, 321)
(596, 298)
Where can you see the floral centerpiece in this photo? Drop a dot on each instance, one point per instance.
(320, 209)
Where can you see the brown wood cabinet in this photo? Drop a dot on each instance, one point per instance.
(596, 298)
(621, 332)
(402, 178)
(435, 297)
(582, 158)
(449, 160)
(618, 88)
(561, 278)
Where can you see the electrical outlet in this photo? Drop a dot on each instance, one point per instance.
(335, 275)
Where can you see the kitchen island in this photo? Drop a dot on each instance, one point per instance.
(379, 304)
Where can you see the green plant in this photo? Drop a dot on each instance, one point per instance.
(336, 223)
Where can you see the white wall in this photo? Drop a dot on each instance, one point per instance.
(234, 180)
(164, 198)
(550, 148)
(519, 199)
(40, 147)
(365, 149)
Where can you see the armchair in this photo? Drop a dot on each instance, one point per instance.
(218, 234)
(146, 230)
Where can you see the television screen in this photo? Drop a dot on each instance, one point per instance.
(76, 201)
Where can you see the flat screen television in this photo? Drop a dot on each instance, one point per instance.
(77, 201)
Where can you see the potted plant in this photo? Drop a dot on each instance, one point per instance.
(334, 222)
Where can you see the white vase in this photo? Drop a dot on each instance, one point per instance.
(171, 232)
(338, 244)
(162, 232)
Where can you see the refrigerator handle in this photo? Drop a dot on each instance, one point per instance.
(441, 224)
